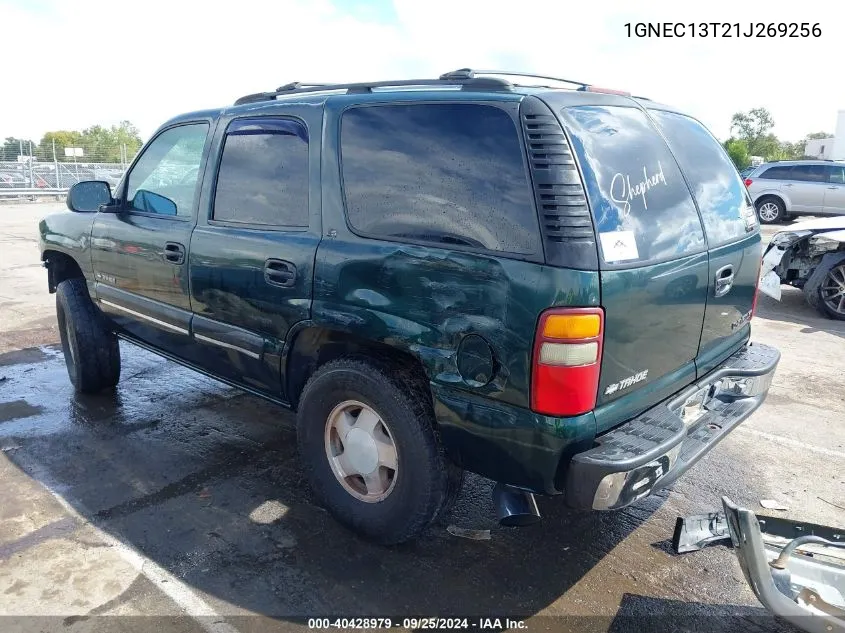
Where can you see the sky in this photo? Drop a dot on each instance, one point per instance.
(84, 62)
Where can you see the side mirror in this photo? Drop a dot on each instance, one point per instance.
(87, 196)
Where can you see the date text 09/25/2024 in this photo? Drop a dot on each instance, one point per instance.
(418, 623)
(723, 29)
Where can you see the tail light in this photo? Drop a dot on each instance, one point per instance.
(567, 361)
(748, 182)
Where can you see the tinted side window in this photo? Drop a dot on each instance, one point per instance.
(721, 196)
(776, 173)
(635, 188)
(448, 173)
(836, 175)
(263, 176)
(164, 180)
(809, 173)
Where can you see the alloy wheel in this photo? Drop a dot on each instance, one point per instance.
(361, 451)
(768, 211)
(833, 289)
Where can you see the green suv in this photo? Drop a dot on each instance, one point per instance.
(551, 287)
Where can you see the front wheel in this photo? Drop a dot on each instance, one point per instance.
(832, 292)
(371, 451)
(91, 349)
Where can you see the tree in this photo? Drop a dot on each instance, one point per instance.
(754, 127)
(61, 139)
(12, 146)
(816, 135)
(738, 151)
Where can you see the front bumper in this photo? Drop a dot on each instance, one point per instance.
(652, 450)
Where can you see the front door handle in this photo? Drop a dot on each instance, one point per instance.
(834, 187)
(787, 184)
(724, 280)
(278, 272)
(174, 252)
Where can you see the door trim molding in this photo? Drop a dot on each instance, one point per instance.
(146, 317)
(214, 341)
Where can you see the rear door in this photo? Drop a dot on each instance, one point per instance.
(732, 232)
(806, 188)
(834, 195)
(252, 252)
(654, 263)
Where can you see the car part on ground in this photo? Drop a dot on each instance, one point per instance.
(694, 532)
(809, 255)
(800, 583)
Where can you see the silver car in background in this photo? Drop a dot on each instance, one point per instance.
(785, 189)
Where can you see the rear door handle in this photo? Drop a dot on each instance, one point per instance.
(724, 280)
(833, 187)
(174, 252)
(278, 272)
(787, 184)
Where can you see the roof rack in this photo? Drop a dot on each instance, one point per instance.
(297, 87)
(469, 73)
(466, 78)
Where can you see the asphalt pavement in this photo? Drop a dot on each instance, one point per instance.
(179, 502)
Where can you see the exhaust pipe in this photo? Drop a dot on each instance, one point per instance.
(514, 507)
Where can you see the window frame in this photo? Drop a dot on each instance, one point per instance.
(511, 110)
(284, 228)
(123, 185)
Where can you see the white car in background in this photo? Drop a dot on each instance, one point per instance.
(809, 255)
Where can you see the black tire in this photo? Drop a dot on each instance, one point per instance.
(91, 349)
(827, 276)
(426, 482)
(765, 203)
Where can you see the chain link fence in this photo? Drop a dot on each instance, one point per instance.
(38, 171)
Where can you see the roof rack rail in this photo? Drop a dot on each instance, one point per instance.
(296, 87)
(470, 73)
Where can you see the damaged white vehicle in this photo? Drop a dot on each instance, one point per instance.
(809, 255)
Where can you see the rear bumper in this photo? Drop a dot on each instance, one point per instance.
(652, 450)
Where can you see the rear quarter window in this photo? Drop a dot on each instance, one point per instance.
(449, 174)
(776, 173)
(720, 194)
(642, 208)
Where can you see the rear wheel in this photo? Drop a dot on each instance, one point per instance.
(91, 350)
(371, 450)
(770, 210)
(832, 293)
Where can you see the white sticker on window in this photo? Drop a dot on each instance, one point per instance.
(619, 246)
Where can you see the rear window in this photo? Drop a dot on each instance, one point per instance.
(776, 173)
(448, 173)
(642, 207)
(720, 194)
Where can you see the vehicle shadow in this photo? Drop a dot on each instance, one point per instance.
(205, 481)
(794, 309)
